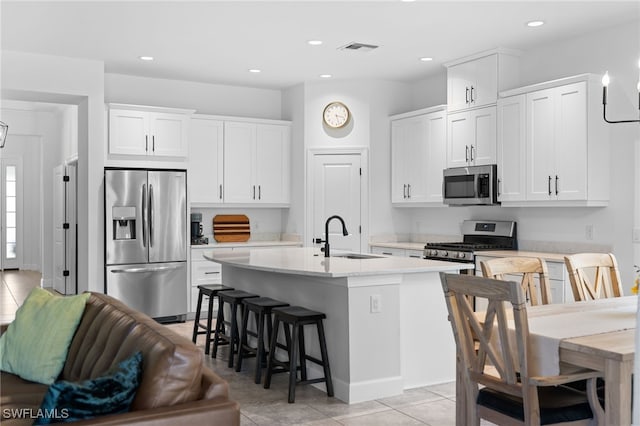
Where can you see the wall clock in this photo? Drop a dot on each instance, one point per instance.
(336, 115)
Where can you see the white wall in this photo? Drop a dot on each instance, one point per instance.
(293, 108)
(34, 77)
(616, 50)
(266, 224)
(205, 98)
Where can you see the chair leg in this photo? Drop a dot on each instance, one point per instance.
(293, 359)
(303, 353)
(260, 347)
(219, 329)
(234, 333)
(325, 359)
(272, 351)
(243, 338)
(209, 320)
(197, 319)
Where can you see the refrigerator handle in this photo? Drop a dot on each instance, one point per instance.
(144, 215)
(150, 215)
(142, 270)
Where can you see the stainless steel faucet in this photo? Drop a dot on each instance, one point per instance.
(325, 249)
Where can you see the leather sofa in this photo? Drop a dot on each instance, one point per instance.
(176, 387)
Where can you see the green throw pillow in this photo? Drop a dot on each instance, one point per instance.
(36, 343)
(112, 393)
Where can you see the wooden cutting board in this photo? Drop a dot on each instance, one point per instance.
(229, 228)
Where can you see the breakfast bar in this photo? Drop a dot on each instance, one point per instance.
(386, 325)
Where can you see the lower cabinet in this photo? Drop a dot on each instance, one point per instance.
(397, 252)
(203, 271)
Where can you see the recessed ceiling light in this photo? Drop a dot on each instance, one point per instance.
(426, 59)
(255, 70)
(314, 42)
(145, 58)
(325, 76)
(534, 24)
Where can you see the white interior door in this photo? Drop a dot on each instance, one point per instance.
(58, 231)
(64, 237)
(337, 190)
(12, 226)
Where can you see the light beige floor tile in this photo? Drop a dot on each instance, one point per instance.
(386, 418)
(435, 413)
(448, 390)
(281, 413)
(411, 397)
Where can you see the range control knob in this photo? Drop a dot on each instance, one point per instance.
(444, 253)
(433, 252)
(461, 255)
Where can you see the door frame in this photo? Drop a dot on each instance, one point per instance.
(364, 191)
(19, 261)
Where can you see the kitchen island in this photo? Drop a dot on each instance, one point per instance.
(386, 325)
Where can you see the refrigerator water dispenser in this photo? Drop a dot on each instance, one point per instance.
(124, 223)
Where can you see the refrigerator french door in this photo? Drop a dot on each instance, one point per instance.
(146, 240)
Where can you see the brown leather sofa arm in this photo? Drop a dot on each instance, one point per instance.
(191, 413)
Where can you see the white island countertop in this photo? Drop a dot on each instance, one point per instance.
(311, 262)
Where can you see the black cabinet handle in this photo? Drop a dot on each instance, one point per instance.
(259, 192)
(221, 191)
(549, 185)
(404, 191)
(254, 191)
(466, 153)
(408, 190)
(556, 184)
(471, 152)
(153, 143)
(472, 95)
(146, 143)
(466, 95)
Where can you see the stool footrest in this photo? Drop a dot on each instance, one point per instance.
(311, 381)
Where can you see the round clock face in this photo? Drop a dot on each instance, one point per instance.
(336, 114)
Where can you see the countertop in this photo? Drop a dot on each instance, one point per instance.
(311, 262)
(400, 245)
(214, 244)
(549, 257)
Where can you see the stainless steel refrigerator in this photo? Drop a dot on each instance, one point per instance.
(146, 240)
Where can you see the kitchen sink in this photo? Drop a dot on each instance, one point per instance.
(356, 256)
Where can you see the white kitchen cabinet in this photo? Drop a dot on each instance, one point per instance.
(203, 272)
(418, 156)
(474, 81)
(388, 251)
(149, 131)
(511, 148)
(206, 161)
(256, 163)
(471, 137)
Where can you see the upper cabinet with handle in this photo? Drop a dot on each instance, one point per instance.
(471, 137)
(475, 81)
(566, 143)
(418, 155)
(140, 130)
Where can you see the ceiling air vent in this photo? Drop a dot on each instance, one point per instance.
(358, 47)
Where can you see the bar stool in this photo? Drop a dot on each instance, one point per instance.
(261, 308)
(210, 291)
(297, 317)
(234, 299)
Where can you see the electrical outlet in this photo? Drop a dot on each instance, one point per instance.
(588, 232)
(376, 303)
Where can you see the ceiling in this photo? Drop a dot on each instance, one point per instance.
(219, 41)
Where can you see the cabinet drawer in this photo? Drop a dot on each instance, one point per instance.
(205, 272)
(556, 270)
(388, 251)
(414, 253)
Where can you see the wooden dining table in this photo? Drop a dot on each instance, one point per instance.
(608, 347)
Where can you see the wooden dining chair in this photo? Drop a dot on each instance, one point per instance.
(593, 276)
(527, 267)
(510, 394)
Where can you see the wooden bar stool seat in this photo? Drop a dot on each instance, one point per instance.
(293, 319)
(261, 308)
(210, 291)
(233, 298)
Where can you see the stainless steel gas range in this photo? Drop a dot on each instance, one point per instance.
(477, 235)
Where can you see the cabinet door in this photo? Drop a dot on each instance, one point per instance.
(239, 162)
(459, 79)
(128, 132)
(415, 158)
(436, 155)
(272, 163)
(206, 161)
(169, 134)
(459, 136)
(485, 83)
(540, 144)
(482, 149)
(510, 150)
(398, 159)
(571, 141)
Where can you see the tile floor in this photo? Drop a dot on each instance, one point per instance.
(432, 405)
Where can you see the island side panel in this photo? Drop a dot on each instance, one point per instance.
(428, 346)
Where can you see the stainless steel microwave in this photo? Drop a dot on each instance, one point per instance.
(469, 186)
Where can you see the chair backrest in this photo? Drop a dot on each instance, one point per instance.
(593, 276)
(528, 268)
(484, 344)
